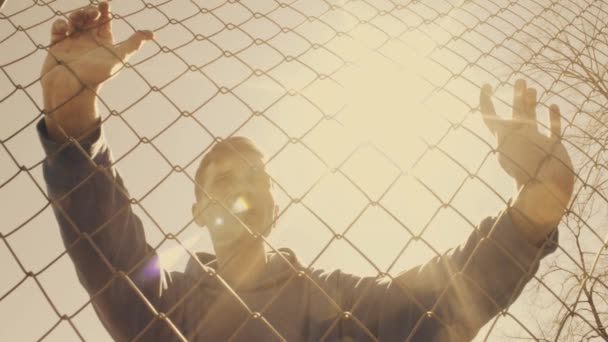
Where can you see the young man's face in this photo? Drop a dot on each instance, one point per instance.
(242, 189)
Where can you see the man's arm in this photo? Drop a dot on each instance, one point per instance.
(468, 286)
(539, 165)
(450, 297)
(102, 235)
(474, 282)
(453, 295)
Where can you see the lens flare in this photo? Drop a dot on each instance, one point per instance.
(168, 258)
(240, 205)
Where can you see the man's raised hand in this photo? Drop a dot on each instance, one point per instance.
(81, 57)
(539, 164)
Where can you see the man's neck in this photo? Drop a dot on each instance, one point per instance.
(240, 267)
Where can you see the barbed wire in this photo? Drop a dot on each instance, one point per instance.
(468, 44)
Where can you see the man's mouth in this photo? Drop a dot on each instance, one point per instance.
(250, 216)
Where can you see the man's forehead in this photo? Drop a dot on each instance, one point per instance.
(233, 162)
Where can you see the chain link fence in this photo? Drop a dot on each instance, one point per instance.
(367, 111)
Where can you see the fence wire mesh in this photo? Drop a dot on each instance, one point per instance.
(367, 111)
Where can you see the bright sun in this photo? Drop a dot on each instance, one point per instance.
(384, 103)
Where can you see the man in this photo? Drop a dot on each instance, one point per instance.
(243, 292)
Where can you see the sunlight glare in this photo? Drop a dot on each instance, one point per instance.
(240, 205)
(173, 255)
(383, 101)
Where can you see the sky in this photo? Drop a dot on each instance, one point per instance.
(363, 94)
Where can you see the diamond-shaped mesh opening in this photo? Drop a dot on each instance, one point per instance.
(394, 219)
(138, 115)
(411, 203)
(26, 295)
(335, 192)
(296, 176)
(299, 226)
(191, 91)
(259, 92)
(24, 208)
(294, 115)
(10, 170)
(233, 70)
(91, 327)
(358, 169)
(17, 101)
(26, 76)
(12, 269)
(21, 46)
(375, 224)
(48, 243)
(53, 279)
(141, 154)
(432, 170)
(117, 99)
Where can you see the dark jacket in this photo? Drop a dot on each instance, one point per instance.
(447, 299)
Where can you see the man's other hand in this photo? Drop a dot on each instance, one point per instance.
(81, 57)
(539, 164)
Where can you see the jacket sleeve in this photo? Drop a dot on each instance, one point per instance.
(102, 235)
(453, 295)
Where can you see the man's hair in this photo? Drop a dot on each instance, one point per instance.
(235, 146)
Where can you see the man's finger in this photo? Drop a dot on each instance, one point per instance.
(105, 22)
(77, 19)
(529, 114)
(486, 106)
(59, 31)
(555, 122)
(519, 91)
(91, 14)
(125, 49)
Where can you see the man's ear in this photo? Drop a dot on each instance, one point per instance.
(197, 214)
(274, 224)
